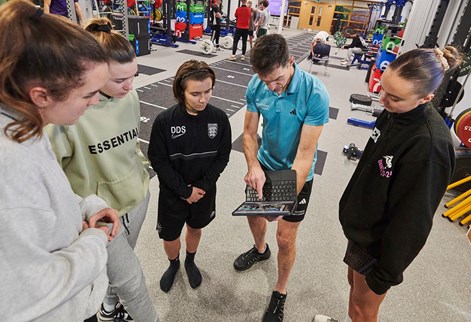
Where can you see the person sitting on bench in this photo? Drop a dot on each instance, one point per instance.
(317, 53)
(357, 46)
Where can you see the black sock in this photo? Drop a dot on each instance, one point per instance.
(194, 274)
(168, 277)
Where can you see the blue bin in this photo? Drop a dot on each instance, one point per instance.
(196, 18)
(384, 58)
(181, 16)
(377, 39)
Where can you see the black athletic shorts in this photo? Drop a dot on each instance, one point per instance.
(303, 201)
(250, 33)
(174, 212)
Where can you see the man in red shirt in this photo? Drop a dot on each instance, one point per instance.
(242, 15)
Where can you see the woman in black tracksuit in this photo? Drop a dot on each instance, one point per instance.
(387, 208)
(189, 148)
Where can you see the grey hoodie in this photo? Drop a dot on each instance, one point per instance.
(49, 270)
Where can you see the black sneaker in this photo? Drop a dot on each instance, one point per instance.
(118, 314)
(274, 312)
(246, 260)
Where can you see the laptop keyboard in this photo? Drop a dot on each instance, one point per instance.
(274, 191)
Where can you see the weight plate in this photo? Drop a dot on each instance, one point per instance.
(158, 15)
(361, 99)
(227, 42)
(458, 118)
(207, 46)
(464, 130)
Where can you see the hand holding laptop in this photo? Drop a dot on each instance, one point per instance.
(269, 194)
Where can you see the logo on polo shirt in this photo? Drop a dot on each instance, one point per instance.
(293, 112)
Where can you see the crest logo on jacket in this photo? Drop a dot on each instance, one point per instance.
(375, 134)
(212, 130)
(385, 166)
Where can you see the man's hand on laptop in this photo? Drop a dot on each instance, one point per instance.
(255, 178)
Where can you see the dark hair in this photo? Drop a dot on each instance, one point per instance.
(269, 52)
(116, 47)
(425, 67)
(40, 49)
(191, 70)
(264, 3)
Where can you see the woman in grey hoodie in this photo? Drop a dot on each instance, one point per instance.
(52, 250)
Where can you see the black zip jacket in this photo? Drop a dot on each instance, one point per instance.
(389, 203)
(356, 43)
(189, 150)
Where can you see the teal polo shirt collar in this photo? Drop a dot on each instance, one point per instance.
(295, 81)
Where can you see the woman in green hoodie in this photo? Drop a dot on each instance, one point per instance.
(101, 154)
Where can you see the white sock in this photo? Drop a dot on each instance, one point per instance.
(109, 307)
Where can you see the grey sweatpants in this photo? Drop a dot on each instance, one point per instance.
(127, 280)
(351, 52)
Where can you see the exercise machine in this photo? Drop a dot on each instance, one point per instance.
(162, 34)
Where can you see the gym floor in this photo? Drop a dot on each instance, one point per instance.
(436, 285)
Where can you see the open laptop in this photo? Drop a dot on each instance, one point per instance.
(279, 196)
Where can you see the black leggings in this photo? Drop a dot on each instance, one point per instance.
(216, 31)
(244, 33)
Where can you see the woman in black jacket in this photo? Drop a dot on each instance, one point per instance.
(387, 208)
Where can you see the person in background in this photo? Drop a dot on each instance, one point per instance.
(101, 154)
(357, 46)
(216, 23)
(59, 7)
(243, 15)
(387, 208)
(315, 42)
(261, 24)
(253, 17)
(295, 106)
(52, 247)
(189, 148)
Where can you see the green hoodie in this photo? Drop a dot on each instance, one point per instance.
(101, 154)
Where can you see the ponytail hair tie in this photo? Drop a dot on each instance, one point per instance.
(102, 28)
(38, 14)
(442, 59)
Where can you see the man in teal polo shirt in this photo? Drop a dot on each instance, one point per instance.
(294, 106)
